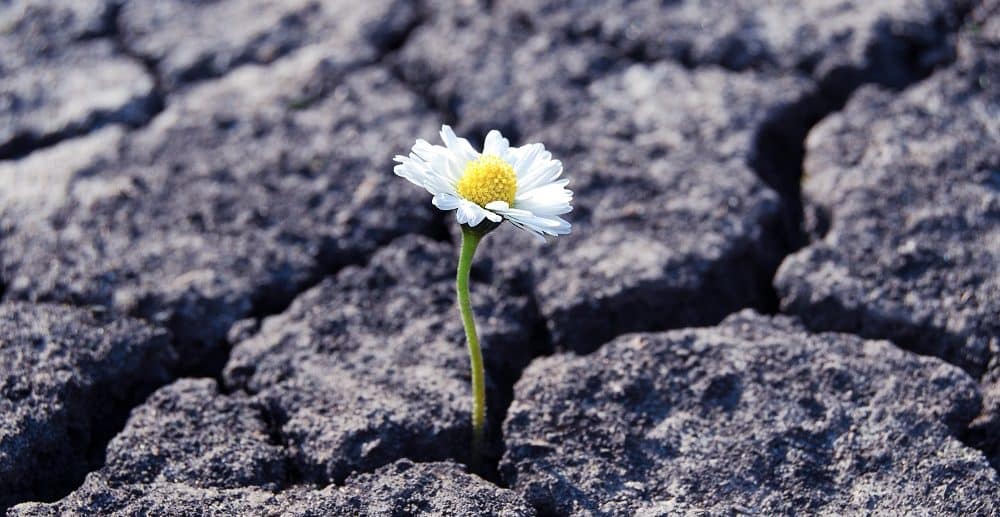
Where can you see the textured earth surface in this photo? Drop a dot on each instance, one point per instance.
(183, 41)
(403, 488)
(673, 227)
(216, 298)
(755, 413)
(237, 196)
(368, 366)
(912, 197)
(913, 245)
(61, 74)
(193, 450)
(839, 43)
(67, 376)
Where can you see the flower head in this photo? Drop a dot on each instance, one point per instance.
(519, 184)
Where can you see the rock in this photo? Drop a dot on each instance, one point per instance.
(526, 64)
(371, 366)
(504, 77)
(38, 186)
(673, 225)
(67, 380)
(184, 40)
(60, 75)
(840, 43)
(983, 35)
(66, 92)
(38, 27)
(910, 183)
(404, 488)
(754, 415)
(191, 434)
(231, 201)
(911, 186)
(97, 497)
(191, 450)
(407, 488)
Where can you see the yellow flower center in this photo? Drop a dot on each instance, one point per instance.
(487, 179)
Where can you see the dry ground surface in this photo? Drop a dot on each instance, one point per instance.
(781, 294)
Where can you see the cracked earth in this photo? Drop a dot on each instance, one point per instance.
(781, 294)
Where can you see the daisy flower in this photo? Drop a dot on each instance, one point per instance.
(517, 184)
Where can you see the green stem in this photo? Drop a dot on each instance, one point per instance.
(470, 240)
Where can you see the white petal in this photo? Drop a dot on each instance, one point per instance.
(550, 199)
(556, 188)
(525, 158)
(425, 150)
(414, 170)
(420, 172)
(542, 209)
(471, 213)
(446, 201)
(497, 205)
(538, 225)
(460, 146)
(496, 144)
(541, 173)
(465, 213)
